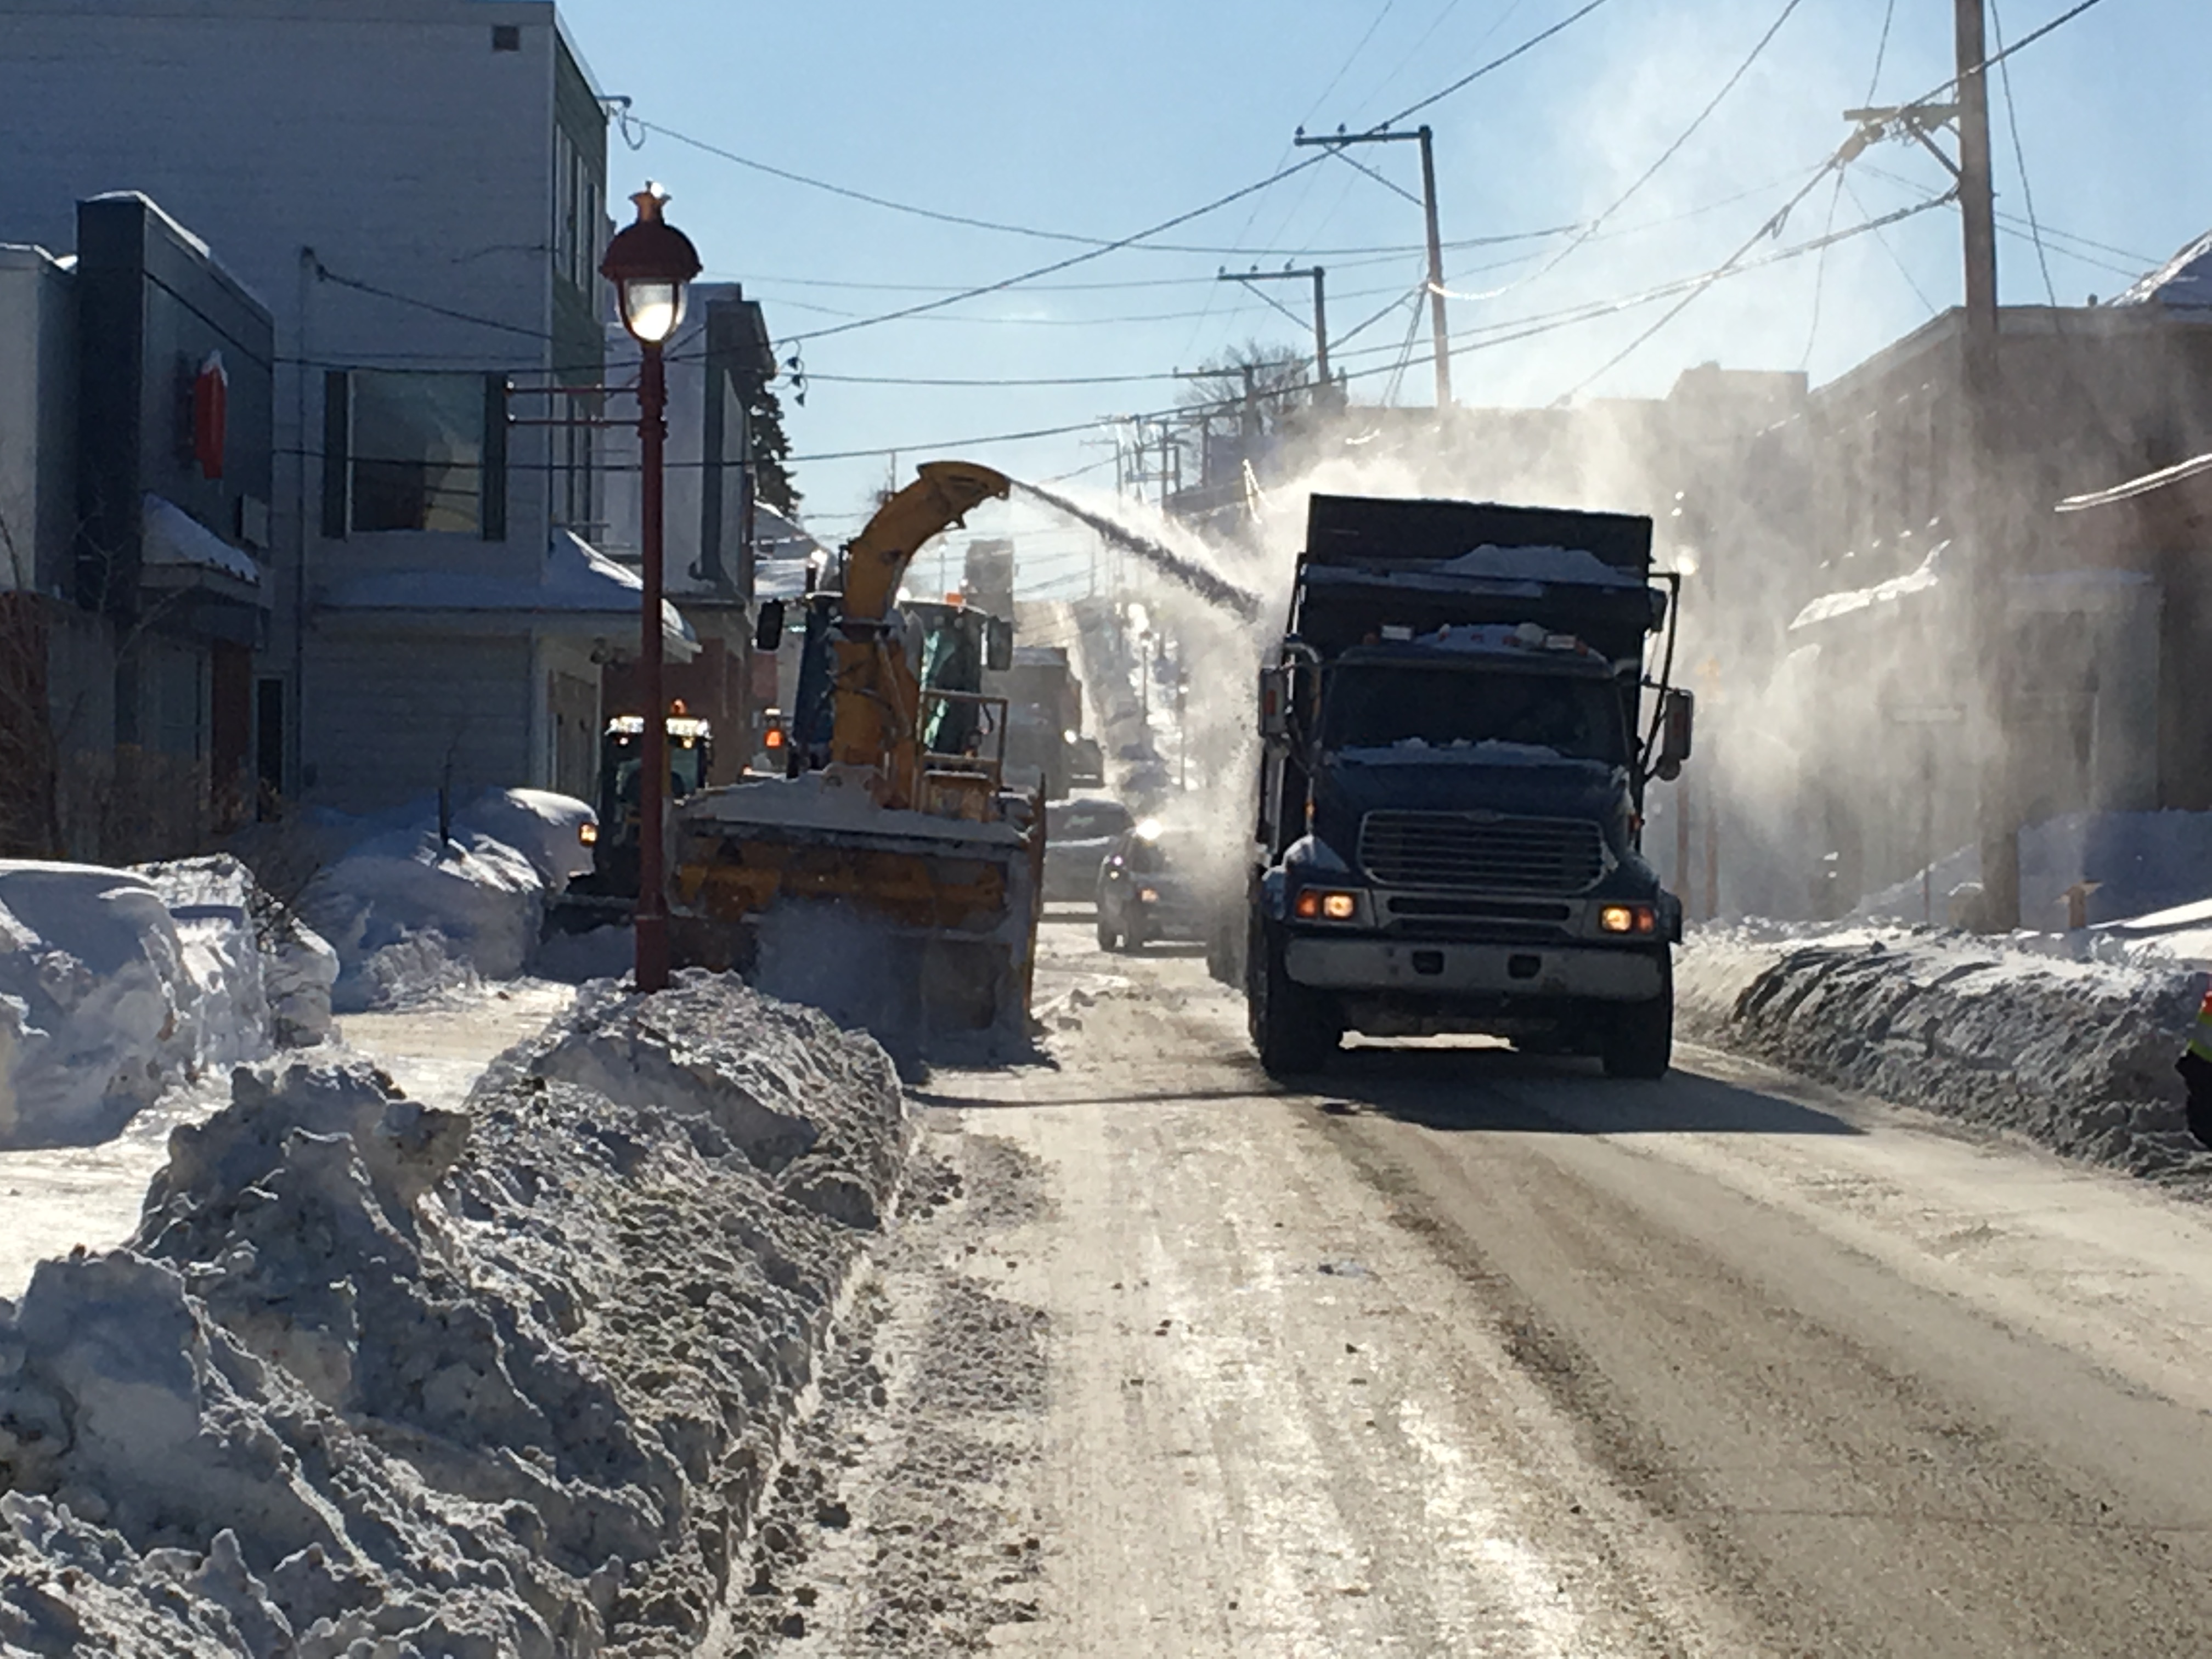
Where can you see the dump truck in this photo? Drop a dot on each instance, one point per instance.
(1044, 712)
(893, 857)
(1455, 752)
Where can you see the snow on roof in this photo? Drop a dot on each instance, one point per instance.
(2182, 283)
(171, 539)
(1829, 606)
(576, 580)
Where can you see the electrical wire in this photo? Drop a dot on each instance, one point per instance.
(1500, 63)
(2019, 155)
(1697, 124)
(1836, 196)
(1772, 227)
(1895, 258)
(2001, 56)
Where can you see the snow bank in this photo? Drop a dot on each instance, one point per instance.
(383, 1379)
(410, 915)
(96, 1007)
(2078, 1055)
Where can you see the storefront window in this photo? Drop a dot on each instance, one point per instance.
(418, 451)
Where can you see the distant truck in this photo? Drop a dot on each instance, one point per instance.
(1044, 720)
(1454, 760)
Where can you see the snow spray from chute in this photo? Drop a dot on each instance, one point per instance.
(1210, 585)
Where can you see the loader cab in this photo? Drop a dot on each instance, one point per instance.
(949, 647)
(690, 754)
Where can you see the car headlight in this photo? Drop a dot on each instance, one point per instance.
(588, 833)
(1148, 895)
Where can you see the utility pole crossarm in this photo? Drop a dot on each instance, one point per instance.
(1318, 277)
(1423, 136)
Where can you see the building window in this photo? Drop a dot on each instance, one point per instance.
(417, 449)
(506, 37)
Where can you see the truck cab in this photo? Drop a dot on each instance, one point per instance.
(1450, 804)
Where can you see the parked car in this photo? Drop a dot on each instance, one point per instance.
(1079, 832)
(1152, 887)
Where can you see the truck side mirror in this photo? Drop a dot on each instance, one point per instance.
(1274, 702)
(767, 630)
(1678, 714)
(998, 645)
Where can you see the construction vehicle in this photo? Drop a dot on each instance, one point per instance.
(1451, 792)
(897, 824)
(606, 895)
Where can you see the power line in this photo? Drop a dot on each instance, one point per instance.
(1996, 57)
(1674, 150)
(1498, 62)
(1836, 197)
(2020, 157)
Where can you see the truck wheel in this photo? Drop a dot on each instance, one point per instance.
(1640, 1041)
(1293, 1027)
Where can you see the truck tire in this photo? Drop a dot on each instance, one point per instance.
(1293, 1027)
(1640, 1040)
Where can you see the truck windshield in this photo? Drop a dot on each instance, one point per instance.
(1371, 706)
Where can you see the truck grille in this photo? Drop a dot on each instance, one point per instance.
(1471, 852)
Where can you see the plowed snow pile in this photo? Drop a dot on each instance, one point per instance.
(503, 1380)
(2078, 1055)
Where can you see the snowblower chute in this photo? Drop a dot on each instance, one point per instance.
(898, 882)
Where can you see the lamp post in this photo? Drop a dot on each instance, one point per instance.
(650, 263)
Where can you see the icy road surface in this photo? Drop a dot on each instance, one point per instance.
(1477, 1353)
(54, 1198)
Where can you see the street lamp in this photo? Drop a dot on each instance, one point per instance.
(650, 262)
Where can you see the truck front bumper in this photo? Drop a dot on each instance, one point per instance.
(1594, 973)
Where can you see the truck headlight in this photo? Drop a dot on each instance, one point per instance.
(1638, 919)
(1323, 904)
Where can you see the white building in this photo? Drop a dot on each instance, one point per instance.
(418, 190)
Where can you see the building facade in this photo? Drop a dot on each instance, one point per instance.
(416, 191)
(137, 378)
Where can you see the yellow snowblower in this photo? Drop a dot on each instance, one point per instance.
(896, 882)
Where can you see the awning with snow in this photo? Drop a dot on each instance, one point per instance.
(579, 591)
(177, 551)
(1897, 590)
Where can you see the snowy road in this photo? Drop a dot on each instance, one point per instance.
(1479, 1354)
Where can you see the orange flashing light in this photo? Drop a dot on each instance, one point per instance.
(773, 739)
(678, 709)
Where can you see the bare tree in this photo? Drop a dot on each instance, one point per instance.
(1252, 387)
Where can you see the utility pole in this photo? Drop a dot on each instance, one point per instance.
(1441, 336)
(1319, 278)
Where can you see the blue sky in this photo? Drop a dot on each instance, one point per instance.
(1098, 121)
